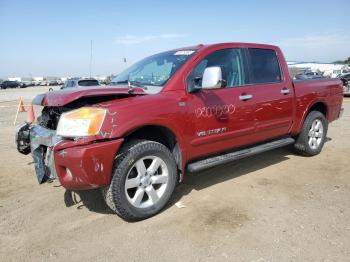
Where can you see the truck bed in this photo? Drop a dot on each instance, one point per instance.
(307, 92)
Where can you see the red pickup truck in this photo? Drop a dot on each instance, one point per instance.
(183, 110)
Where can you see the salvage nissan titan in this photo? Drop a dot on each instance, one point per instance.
(175, 112)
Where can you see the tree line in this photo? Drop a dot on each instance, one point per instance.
(347, 61)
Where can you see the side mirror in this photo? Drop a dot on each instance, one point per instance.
(212, 78)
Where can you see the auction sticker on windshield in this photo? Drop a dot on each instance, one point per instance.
(184, 52)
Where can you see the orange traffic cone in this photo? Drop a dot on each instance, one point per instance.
(19, 109)
(31, 116)
(21, 106)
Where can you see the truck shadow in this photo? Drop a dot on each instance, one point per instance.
(93, 200)
(216, 175)
(90, 199)
(219, 174)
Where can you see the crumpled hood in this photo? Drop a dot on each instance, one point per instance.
(64, 97)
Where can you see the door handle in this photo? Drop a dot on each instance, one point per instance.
(245, 97)
(285, 91)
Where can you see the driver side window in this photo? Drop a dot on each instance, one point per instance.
(231, 63)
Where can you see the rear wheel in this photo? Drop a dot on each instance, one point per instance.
(313, 134)
(144, 178)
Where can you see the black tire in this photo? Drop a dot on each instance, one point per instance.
(115, 195)
(301, 145)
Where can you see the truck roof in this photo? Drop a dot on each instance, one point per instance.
(237, 44)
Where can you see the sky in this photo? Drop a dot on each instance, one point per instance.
(52, 38)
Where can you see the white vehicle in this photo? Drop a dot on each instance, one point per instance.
(326, 69)
(337, 73)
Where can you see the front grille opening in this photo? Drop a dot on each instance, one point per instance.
(50, 116)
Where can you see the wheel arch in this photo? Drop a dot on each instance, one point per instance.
(160, 134)
(319, 106)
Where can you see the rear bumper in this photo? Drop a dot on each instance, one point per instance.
(77, 166)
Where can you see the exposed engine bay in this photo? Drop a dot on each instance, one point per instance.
(50, 115)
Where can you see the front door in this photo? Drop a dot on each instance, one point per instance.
(222, 118)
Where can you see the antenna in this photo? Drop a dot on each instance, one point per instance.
(90, 56)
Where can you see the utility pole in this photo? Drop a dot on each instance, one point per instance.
(90, 56)
(125, 56)
(125, 61)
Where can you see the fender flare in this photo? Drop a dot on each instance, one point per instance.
(178, 151)
(298, 127)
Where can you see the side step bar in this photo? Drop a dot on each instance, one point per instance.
(223, 159)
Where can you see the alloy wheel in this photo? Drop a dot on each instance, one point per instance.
(315, 134)
(146, 181)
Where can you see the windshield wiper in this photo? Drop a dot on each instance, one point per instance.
(150, 84)
(132, 83)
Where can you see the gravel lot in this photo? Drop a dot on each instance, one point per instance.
(26, 93)
(272, 207)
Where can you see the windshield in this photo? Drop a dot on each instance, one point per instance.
(153, 72)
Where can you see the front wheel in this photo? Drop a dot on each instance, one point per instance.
(313, 134)
(144, 178)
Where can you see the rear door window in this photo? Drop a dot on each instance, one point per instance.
(89, 82)
(263, 66)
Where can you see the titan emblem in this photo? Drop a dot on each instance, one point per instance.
(212, 132)
(215, 111)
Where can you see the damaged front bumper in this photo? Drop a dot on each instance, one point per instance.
(39, 141)
(77, 164)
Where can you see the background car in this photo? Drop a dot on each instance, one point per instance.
(308, 75)
(312, 75)
(345, 78)
(346, 83)
(52, 83)
(75, 83)
(10, 84)
(26, 84)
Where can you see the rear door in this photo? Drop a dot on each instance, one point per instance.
(273, 93)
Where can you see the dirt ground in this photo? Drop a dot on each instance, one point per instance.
(276, 206)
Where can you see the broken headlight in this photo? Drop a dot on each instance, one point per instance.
(85, 121)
